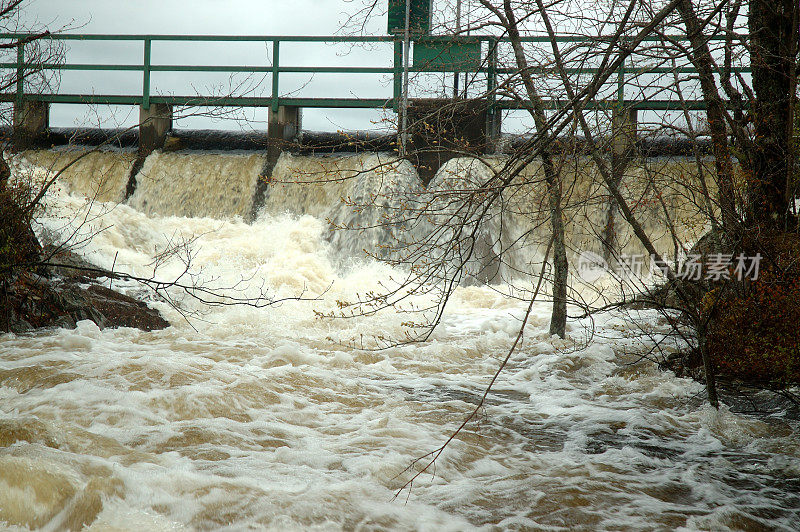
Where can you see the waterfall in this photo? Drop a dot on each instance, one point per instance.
(197, 184)
(375, 205)
(100, 175)
(283, 418)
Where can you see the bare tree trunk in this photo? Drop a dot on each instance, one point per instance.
(609, 237)
(558, 319)
(708, 368)
(773, 34)
(623, 143)
(715, 111)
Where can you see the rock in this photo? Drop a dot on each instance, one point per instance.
(70, 265)
(33, 301)
(34, 293)
(15, 323)
(711, 243)
(78, 304)
(120, 310)
(666, 295)
(65, 322)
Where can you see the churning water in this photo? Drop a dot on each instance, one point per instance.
(275, 418)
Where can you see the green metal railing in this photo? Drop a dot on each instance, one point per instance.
(488, 67)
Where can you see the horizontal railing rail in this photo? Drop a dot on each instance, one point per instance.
(339, 38)
(488, 67)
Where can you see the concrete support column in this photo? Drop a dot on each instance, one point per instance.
(154, 124)
(441, 129)
(623, 143)
(623, 149)
(284, 125)
(282, 128)
(31, 120)
(493, 131)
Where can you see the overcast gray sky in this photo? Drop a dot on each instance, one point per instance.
(234, 17)
(257, 17)
(230, 17)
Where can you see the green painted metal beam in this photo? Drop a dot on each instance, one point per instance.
(276, 53)
(204, 101)
(333, 38)
(204, 68)
(334, 70)
(204, 38)
(146, 75)
(20, 73)
(326, 103)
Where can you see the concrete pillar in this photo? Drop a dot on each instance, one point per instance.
(282, 128)
(623, 141)
(31, 120)
(623, 149)
(493, 131)
(441, 129)
(284, 125)
(154, 124)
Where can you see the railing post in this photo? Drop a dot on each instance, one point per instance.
(276, 52)
(621, 85)
(492, 113)
(146, 75)
(623, 123)
(398, 73)
(20, 73)
(491, 73)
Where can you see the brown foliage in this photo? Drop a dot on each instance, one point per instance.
(754, 334)
(18, 244)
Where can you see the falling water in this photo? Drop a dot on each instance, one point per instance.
(98, 175)
(198, 184)
(275, 418)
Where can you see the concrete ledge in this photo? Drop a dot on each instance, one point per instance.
(327, 143)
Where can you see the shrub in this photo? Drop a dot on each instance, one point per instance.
(754, 331)
(18, 244)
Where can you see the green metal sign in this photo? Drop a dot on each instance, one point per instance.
(419, 20)
(438, 56)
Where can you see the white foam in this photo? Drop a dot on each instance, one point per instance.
(270, 418)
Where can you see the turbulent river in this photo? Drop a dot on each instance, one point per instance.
(238, 417)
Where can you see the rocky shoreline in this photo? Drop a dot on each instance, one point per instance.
(67, 294)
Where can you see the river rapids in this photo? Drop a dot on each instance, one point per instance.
(276, 418)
